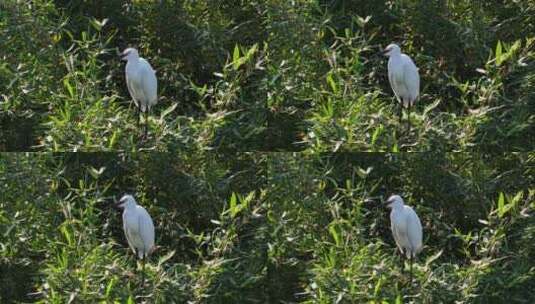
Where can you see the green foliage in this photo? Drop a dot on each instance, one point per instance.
(267, 75)
(257, 228)
(63, 85)
(331, 241)
(331, 93)
(61, 241)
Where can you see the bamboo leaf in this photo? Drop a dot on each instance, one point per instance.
(96, 173)
(69, 87)
(430, 107)
(501, 205)
(233, 205)
(376, 134)
(332, 83)
(335, 234)
(113, 139)
(166, 258)
(168, 111)
(236, 58)
(498, 53)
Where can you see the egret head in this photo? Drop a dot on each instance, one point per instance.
(129, 53)
(126, 201)
(394, 201)
(392, 49)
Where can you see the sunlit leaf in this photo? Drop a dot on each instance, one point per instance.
(335, 234)
(432, 106)
(332, 83)
(166, 258)
(498, 53)
(168, 111)
(501, 205)
(96, 173)
(232, 204)
(69, 87)
(376, 133)
(236, 57)
(109, 288)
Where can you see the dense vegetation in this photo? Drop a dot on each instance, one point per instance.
(63, 84)
(267, 75)
(331, 241)
(62, 242)
(267, 228)
(254, 168)
(476, 63)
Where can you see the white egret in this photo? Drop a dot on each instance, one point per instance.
(404, 79)
(138, 229)
(406, 228)
(141, 82)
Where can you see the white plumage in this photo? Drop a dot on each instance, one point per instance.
(406, 228)
(138, 226)
(141, 82)
(403, 77)
(138, 229)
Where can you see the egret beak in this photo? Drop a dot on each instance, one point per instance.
(118, 205)
(123, 55)
(385, 52)
(373, 200)
(387, 203)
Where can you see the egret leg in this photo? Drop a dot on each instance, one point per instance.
(138, 113)
(402, 261)
(410, 270)
(400, 113)
(142, 271)
(146, 120)
(409, 118)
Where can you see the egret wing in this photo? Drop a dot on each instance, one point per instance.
(398, 82)
(400, 236)
(129, 85)
(129, 238)
(146, 230)
(132, 83)
(392, 80)
(149, 83)
(414, 227)
(131, 230)
(138, 93)
(136, 238)
(411, 78)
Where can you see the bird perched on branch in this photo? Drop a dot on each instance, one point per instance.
(406, 228)
(138, 229)
(404, 79)
(141, 82)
